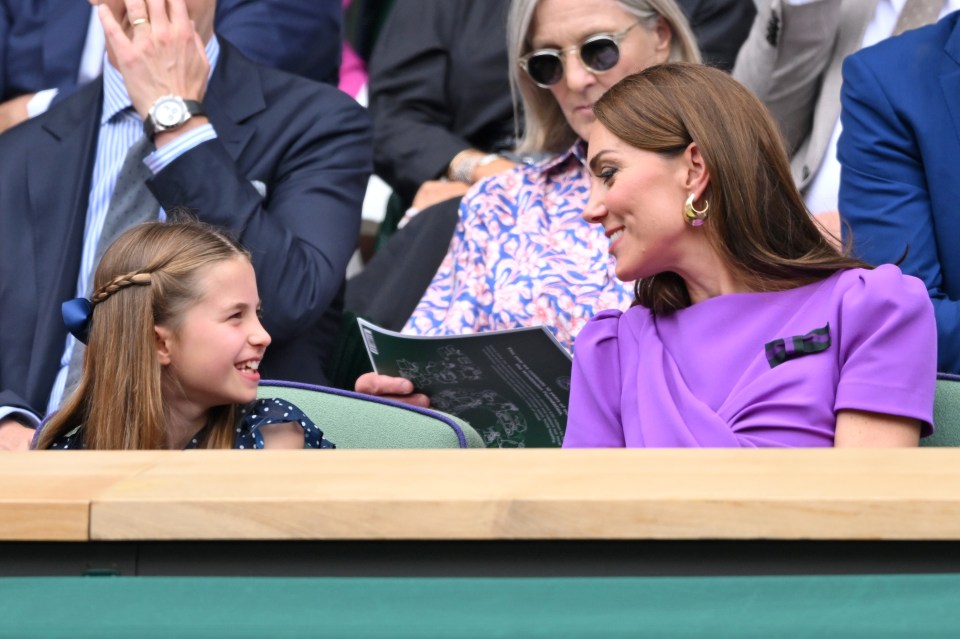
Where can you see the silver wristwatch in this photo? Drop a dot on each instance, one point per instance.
(168, 113)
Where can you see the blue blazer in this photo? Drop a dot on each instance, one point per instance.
(41, 41)
(309, 145)
(899, 184)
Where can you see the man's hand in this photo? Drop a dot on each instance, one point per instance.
(395, 388)
(160, 54)
(14, 111)
(14, 435)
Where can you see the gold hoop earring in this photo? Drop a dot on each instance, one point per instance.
(692, 216)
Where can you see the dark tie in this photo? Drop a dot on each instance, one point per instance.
(916, 14)
(132, 203)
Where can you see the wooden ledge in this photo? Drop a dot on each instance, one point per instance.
(484, 495)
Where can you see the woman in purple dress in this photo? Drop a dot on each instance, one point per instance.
(748, 327)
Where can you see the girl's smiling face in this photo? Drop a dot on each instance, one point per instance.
(211, 357)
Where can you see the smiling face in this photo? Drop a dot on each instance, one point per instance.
(638, 197)
(560, 24)
(211, 357)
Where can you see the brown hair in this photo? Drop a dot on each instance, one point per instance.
(757, 222)
(147, 277)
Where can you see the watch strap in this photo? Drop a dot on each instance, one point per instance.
(194, 107)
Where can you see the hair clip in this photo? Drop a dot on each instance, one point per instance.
(76, 317)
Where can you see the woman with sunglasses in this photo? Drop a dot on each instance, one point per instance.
(521, 254)
(749, 328)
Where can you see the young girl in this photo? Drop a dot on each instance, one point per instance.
(174, 345)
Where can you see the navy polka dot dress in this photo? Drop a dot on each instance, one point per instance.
(253, 417)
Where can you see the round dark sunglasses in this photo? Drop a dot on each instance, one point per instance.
(598, 53)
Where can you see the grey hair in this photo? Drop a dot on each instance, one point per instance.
(545, 129)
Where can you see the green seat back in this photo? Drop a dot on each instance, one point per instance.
(946, 413)
(353, 420)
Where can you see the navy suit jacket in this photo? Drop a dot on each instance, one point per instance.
(41, 41)
(899, 183)
(306, 142)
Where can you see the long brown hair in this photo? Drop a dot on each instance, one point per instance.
(757, 221)
(147, 277)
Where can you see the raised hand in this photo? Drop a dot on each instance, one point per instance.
(156, 47)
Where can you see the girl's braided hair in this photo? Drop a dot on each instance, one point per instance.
(148, 277)
(117, 283)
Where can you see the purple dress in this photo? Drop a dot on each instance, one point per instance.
(756, 369)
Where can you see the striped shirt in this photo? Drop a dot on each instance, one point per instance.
(120, 128)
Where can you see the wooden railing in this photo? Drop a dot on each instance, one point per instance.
(481, 494)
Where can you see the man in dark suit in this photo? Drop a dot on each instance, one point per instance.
(279, 161)
(721, 26)
(42, 43)
(899, 185)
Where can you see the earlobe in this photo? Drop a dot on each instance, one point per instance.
(162, 339)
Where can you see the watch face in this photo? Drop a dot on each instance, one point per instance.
(169, 112)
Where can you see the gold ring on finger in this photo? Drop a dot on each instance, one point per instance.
(139, 21)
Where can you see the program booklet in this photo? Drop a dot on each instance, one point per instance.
(512, 386)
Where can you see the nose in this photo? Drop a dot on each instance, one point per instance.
(575, 74)
(594, 211)
(259, 336)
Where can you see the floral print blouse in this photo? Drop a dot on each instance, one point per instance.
(522, 255)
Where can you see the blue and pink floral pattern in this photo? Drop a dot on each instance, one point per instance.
(522, 255)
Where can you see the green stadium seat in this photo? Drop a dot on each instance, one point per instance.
(354, 420)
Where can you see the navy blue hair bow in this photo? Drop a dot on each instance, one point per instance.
(780, 350)
(76, 316)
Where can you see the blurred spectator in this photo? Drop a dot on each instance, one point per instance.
(721, 27)
(440, 97)
(440, 94)
(792, 62)
(363, 20)
(899, 188)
